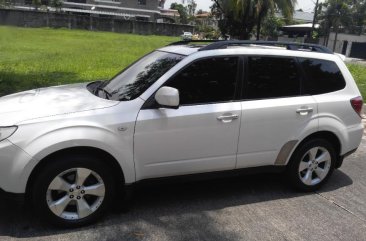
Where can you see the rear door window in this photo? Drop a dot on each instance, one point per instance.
(271, 77)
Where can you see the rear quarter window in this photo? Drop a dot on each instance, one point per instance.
(322, 76)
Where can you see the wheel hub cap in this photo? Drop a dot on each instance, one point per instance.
(314, 166)
(75, 193)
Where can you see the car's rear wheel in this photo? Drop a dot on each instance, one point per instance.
(73, 191)
(311, 164)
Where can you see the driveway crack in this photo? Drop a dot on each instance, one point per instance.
(342, 207)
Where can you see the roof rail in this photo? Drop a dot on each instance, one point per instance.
(184, 42)
(222, 44)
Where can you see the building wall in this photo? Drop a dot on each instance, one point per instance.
(22, 18)
(341, 41)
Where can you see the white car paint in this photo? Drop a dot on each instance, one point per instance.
(164, 142)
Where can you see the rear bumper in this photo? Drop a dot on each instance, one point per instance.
(341, 158)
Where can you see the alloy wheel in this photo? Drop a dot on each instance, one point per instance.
(75, 193)
(314, 166)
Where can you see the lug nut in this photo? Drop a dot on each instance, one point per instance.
(71, 190)
(71, 196)
(78, 197)
(77, 187)
(82, 192)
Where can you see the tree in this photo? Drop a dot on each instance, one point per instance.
(239, 17)
(337, 14)
(358, 10)
(57, 4)
(271, 25)
(37, 3)
(192, 5)
(200, 11)
(182, 12)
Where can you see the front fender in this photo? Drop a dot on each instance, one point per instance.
(54, 137)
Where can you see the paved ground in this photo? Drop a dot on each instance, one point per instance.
(257, 207)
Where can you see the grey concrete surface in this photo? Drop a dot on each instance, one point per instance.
(259, 207)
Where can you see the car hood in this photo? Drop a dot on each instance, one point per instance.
(50, 101)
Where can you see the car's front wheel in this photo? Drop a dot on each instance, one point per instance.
(311, 164)
(73, 191)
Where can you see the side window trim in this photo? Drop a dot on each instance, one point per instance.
(150, 103)
(303, 77)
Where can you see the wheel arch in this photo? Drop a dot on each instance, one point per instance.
(84, 150)
(326, 135)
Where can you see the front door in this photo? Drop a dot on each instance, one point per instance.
(200, 136)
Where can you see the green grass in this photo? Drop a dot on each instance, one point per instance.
(359, 74)
(31, 58)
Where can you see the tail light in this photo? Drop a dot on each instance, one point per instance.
(357, 104)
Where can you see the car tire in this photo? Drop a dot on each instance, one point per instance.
(73, 191)
(311, 165)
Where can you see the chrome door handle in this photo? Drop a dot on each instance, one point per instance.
(304, 110)
(228, 118)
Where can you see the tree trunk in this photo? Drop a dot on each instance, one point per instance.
(335, 39)
(258, 29)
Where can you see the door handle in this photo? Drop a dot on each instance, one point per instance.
(304, 110)
(228, 118)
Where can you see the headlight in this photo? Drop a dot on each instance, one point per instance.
(6, 132)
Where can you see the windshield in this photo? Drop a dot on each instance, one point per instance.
(134, 80)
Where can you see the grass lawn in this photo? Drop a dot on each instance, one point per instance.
(359, 74)
(37, 57)
(31, 58)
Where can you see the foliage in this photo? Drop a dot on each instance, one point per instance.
(5, 3)
(350, 15)
(56, 4)
(359, 74)
(207, 32)
(239, 17)
(192, 5)
(36, 3)
(32, 58)
(271, 25)
(183, 12)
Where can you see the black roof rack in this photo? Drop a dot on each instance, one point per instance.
(222, 44)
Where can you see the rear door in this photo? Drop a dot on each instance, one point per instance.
(274, 114)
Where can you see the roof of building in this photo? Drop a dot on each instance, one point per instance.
(300, 16)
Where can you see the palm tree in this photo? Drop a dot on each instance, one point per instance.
(336, 15)
(262, 7)
(241, 16)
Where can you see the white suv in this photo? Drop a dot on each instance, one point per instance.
(183, 109)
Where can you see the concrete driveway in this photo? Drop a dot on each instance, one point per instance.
(260, 207)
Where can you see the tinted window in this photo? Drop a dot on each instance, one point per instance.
(322, 76)
(271, 77)
(134, 80)
(208, 80)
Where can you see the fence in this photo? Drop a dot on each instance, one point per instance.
(25, 18)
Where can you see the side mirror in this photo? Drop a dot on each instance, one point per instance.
(167, 97)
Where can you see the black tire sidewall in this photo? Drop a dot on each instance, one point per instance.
(59, 165)
(292, 169)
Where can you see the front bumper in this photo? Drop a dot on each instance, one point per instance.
(13, 162)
